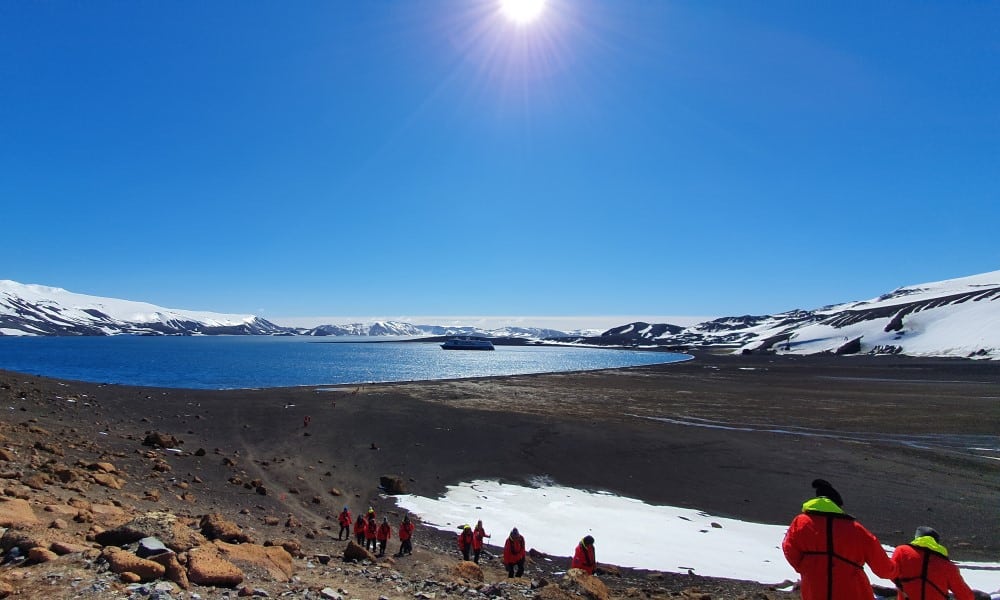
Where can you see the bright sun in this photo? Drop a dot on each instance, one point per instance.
(522, 12)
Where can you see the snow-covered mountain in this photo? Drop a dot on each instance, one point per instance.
(42, 310)
(957, 317)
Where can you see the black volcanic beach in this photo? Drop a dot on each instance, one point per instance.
(907, 441)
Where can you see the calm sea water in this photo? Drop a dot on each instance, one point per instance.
(228, 362)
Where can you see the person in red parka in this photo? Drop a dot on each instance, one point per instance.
(924, 571)
(465, 541)
(514, 553)
(477, 541)
(829, 549)
(359, 530)
(405, 535)
(382, 534)
(345, 523)
(371, 532)
(583, 557)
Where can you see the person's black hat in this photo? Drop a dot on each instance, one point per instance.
(589, 540)
(923, 530)
(823, 488)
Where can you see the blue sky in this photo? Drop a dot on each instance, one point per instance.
(430, 157)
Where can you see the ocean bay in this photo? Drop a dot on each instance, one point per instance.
(237, 362)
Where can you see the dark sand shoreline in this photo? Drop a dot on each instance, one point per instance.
(590, 430)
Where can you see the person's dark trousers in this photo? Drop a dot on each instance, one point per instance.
(381, 548)
(465, 553)
(520, 568)
(475, 556)
(340, 535)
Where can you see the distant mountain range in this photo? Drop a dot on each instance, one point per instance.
(957, 317)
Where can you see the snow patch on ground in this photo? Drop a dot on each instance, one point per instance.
(629, 532)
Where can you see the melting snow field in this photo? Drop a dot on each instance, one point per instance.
(629, 532)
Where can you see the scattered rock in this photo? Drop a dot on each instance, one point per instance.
(22, 539)
(62, 548)
(174, 571)
(161, 525)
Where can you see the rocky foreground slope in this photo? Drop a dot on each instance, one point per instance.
(93, 509)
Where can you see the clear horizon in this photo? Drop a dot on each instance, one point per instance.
(447, 157)
(562, 323)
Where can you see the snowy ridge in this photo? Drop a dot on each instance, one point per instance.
(956, 318)
(41, 310)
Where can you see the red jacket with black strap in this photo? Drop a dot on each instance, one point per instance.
(345, 518)
(925, 573)
(513, 550)
(583, 558)
(405, 530)
(829, 549)
(359, 525)
(384, 532)
(477, 538)
(371, 529)
(465, 539)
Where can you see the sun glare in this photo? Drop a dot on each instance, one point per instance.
(522, 12)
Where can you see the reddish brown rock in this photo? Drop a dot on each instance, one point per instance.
(467, 571)
(41, 555)
(274, 560)
(354, 552)
(215, 527)
(121, 561)
(174, 571)
(16, 513)
(580, 583)
(206, 567)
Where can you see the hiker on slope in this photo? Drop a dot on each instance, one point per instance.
(478, 534)
(345, 523)
(514, 553)
(924, 570)
(465, 541)
(829, 549)
(583, 557)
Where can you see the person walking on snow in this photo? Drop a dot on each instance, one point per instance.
(829, 549)
(583, 557)
(359, 530)
(465, 541)
(345, 524)
(924, 571)
(514, 553)
(405, 534)
(477, 541)
(382, 535)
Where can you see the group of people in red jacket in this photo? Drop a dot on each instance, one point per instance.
(374, 536)
(470, 543)
(829, 549)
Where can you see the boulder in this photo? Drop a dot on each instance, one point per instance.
(161, 525)
(107, 480)
(62, 548)
(41, 555)
(580, 583)
(174, 571)
(215, 527)
(354, 552)
(275, 561)
(554, 592)
(121, 561)
(150, 546)
(16, 513)
(22, 539)
(206, 567)
(392, 484)
(468, 571)
(161, 440)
